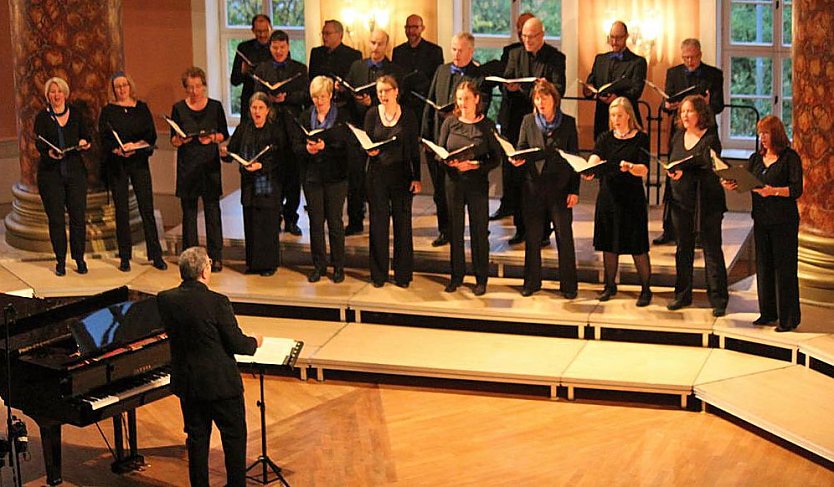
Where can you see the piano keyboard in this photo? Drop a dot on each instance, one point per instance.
(129, 389)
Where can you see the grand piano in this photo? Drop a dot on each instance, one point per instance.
(79, 362)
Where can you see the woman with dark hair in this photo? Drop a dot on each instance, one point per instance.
(776, 225)
(392, 178)
(550, 189)
(324, 177)
(467, 183)
(697, 193)
(203, 122)
(261, 137)
(126, 163)
(621, 218)
(62, 177)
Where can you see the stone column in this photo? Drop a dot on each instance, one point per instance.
(813, 120)
(80, 41)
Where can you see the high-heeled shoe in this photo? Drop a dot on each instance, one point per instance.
(608, 292)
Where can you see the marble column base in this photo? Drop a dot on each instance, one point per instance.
(26, 225)
(816, 269)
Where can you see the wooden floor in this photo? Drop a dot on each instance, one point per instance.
(329, 434)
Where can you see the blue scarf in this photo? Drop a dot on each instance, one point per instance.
(329, 119)
(547, 127)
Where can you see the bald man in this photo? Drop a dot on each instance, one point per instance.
(418, 59)
(538, 59)
(361, 73)
(621, 65)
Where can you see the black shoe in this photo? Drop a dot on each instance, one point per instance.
(216, 265)
(678, 303)
(608, 292)
(569, 294)
(314, 276)
(440, 241)
(645, 298)
(293, 229)
(451, 287)
(378, 284)
(783, 329)
(160, 264)
(403, 285)
(60, 268)
(124, 265)
(499, 214)
(516, 239)
(763, 321)
(719, 311)
(663, 239)
(338, 276)
(81, 266)
(479, 289)
(545, 241)
(527, 292)
(267, 273)
(353, 230)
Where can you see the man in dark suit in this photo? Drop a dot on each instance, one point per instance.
(619, 65)
(537, 59)
(204, 337)
(442, 91)
(709, 81)
(418, 59)
(256, 51)
(332, 57)
(361, 73)
(290, 99)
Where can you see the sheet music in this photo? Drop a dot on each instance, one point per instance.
(273, 351)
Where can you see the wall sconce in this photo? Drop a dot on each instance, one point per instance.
(642, 34)
(361, 20)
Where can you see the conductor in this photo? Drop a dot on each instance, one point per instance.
(204, 338)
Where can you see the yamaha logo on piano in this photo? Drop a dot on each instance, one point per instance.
(142, 369)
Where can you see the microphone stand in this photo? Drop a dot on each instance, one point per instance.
(9, 317)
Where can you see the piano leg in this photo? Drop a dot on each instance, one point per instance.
(51, 441)
(132, 461)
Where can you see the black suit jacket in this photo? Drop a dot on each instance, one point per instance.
(204, 337)
(257, 53)
(296, 90)
(606, 70)
(361, 73)
(556, 169)
(442, 91)
(706, 78)
(418, 65)
(335, 62)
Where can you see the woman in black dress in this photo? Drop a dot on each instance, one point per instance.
(126, 163)
(696, 190)
(62, 177)
(550, 189)
(260, 186)
(467, 183)
(621, 218)
(776, 225)
(198, 162)
(392, 178)
(324, 176)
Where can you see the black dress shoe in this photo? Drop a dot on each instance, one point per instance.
(499, 214)
(293, 229)
(160, 264)
(645, 298)
(569, 294)
(403, 285)
(124, 265)
(783, 329)
(440, 241)
(545, 241)
(479, 289)
(763, 321)
(678, 303)
(608, 292)
(719, 311)
(527, 292)
(216, 265)
(60, 268)
(663, 239)
(314, 276)
(81, 266)
(338, 276)
(451, 287)
(378, 284)
(516, 239)
(353, 230)
(267, 273)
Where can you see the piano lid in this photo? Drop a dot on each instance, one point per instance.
(116, 325)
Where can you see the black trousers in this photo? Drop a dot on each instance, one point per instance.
(214, 229)
(325, 202)
(65, 192)
(290, 190)
(541, 207)
(474, 197)
(138, 174)
(357, 159)
(512, 178)
(230, 417)
(437, 171)
(260, 230)
(716, 271)
(776, 272)
(389, 199)
(668, 226)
